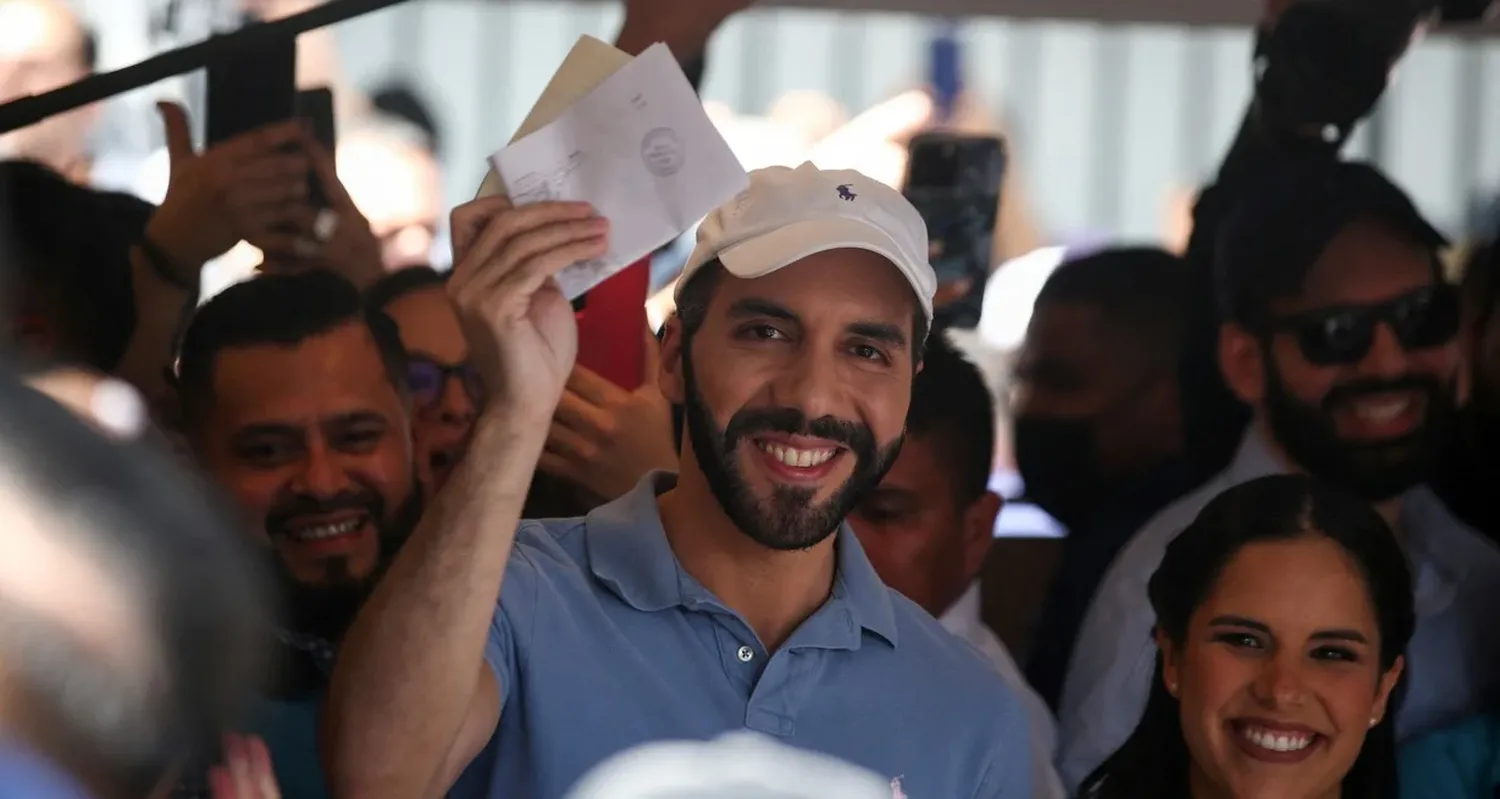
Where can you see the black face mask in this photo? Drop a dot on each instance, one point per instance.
(1058, 463)
(1374, 471)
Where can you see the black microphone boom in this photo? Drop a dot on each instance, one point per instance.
(35, 108)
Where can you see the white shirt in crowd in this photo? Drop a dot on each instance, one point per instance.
(963, 621)
(1452, 662)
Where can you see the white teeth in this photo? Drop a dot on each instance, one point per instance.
(1266, 739)
(323, 531)
(1381, 410)
(798, 458)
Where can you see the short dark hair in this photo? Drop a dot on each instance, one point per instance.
(952, 406)
(1283, 219)
(1143, 293)
(401, 282)
(698, 292)
(1154, 761)
(284, 309)
(72, 244)
(166, 540)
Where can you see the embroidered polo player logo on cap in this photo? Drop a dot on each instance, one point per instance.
(846, 193)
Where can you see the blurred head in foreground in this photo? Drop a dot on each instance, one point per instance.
(735, 766)
(128, 609)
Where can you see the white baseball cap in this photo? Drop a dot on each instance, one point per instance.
(789, 214)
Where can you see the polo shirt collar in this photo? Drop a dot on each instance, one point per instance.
(628, 552)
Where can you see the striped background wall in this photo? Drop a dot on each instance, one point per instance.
(1106, 122)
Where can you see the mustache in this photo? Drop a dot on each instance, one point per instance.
(1363, 387)
(308, 505)
(856, 437)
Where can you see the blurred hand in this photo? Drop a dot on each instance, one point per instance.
(112, 406)
(246, 773)
(252, 187)
(522, 335)
(605, 438)
(684, 25)
(341, 239)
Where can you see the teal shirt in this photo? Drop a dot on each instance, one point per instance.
(1461, 762)
(290, 730)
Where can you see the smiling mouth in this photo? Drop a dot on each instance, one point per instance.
(327, 531)
(1274, 745)
(797, 458)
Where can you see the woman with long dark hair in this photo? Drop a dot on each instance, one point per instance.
(1282, 613)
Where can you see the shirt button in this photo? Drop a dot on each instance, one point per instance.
(746, 654)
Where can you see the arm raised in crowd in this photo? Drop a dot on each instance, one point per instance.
(411, 700)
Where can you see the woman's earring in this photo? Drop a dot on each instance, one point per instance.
(1374, 720)
(1172, 688)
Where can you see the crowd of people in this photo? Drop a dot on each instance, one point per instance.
(357, 527)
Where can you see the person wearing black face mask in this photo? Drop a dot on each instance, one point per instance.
(1342, 336)
(1097, 422)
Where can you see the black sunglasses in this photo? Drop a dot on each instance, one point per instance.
(427, 379)
(1423, 319)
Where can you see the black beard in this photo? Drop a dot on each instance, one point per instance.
(788, 520)
(1373, 471)
(326, 611)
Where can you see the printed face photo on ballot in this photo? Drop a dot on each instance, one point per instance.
(795, 388)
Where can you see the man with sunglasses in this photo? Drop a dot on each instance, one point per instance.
(1340, 333)
(446, 391)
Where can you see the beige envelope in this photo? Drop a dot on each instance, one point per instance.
(587, 65)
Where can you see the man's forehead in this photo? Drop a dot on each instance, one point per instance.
(1366, 262)
(33, 28)
(324, 375)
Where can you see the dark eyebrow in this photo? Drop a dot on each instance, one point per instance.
(357, 417)
(877, 331)
(758, 307)
(1239, 621)
(1352, 636)
(265, 429)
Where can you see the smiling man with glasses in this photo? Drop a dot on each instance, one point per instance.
(1342, 336)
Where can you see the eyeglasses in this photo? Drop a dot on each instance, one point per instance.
(427, 380)
(1423, 319)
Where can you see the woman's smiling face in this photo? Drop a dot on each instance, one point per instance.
(1279, 675)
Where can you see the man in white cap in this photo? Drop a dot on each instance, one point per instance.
(727, 596)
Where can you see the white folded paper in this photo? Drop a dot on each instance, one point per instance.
(641, 150)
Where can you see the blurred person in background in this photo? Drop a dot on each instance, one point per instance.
(1096, 423)
(392, 173)
(1343, 335)
(1282, 613)
(446, 390)
(295, 400)
(928, 526)
(107, 676)
(1470, 467)
(44, 46)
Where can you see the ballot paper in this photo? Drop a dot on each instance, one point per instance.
(640, 148)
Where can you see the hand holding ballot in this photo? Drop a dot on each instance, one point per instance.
(520, 329)
(639, 148)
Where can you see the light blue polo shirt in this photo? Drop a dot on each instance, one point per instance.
(602, 642)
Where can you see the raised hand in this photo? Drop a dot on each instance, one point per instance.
(521, 332)
(246, 772)
(341, 239)
(605, 438)
(252, 187)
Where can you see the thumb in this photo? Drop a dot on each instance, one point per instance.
(651, 364)
(179, 136)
